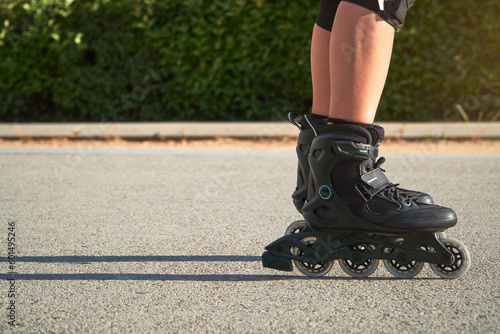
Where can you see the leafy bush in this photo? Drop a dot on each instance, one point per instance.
(132, 60)
(446, 55)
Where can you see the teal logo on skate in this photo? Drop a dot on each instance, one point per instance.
(325, 192)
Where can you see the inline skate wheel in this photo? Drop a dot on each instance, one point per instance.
(359, 269)
(409, 270)
(295, 227)
(462, 260)
(311, 269)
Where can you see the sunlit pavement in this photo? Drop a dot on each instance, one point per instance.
(115, 240)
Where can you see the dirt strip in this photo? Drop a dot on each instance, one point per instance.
(389, 146)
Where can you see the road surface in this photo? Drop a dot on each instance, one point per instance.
(155, 240)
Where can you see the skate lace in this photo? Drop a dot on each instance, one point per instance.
(392, 189)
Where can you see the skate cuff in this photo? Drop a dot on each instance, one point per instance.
(354, 150)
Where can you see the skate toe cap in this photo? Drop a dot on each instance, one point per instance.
(433, 217)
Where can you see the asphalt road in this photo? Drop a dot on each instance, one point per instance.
(123, 240)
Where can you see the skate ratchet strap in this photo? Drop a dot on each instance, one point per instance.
(373, 182)
(376, 179)
(354, 150)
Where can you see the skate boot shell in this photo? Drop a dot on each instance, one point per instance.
(309, 128)
(348, 190)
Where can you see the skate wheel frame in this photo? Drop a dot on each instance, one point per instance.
(356, 260)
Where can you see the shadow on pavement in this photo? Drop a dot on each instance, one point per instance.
(137, 258)
(161, 277)
(153, 277)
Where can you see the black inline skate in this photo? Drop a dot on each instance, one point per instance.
(309, 127)
(355, 215)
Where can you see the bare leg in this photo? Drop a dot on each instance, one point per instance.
(320, 70)
(360, 52)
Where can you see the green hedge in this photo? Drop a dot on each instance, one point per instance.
(165, 60)
(447, 54)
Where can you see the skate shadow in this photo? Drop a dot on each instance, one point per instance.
(282, 276)
(79, 259)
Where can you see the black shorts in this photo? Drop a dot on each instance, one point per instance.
(394, 11)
